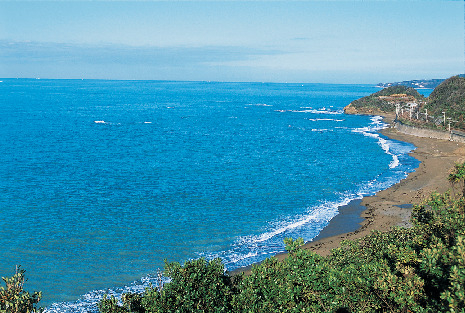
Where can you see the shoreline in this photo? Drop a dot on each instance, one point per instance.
(387, 208)
(392, 206)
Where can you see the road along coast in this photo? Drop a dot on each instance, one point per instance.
(391, 207)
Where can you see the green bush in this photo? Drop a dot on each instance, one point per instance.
(13, 298)
(457, 177)
(110, 305)
(198, 286)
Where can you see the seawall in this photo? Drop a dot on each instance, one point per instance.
(453, 135)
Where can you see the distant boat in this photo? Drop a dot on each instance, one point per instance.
(99, 122)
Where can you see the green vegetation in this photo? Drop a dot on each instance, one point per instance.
(380, 101)
(13, 298)
(417, 269)
(457, 177)
(449, 97)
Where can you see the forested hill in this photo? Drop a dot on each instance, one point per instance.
(384, 101)
(449, 97)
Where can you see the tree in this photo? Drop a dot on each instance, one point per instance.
(457, 176)
(13, 298)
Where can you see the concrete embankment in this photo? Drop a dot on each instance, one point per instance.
(430, 133)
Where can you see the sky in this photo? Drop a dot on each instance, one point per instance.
(312, 41)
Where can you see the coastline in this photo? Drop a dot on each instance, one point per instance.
(387, 208)
(390, 207)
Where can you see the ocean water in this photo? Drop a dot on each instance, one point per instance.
(101, 181)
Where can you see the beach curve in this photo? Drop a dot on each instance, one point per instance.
(392, 206)
(387, 208)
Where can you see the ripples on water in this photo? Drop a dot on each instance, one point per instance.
(103, 180)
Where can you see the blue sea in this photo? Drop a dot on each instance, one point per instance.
(101, 181)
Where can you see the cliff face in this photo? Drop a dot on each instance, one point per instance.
(351, 109)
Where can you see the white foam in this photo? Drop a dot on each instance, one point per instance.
(317, 215)
(323, 130)
(241, 257)
(88, 302)
(314, 111)
(260, 104)
(324, 119)
(247, 250)
(386, 147)
(395, 162)
(371, 131)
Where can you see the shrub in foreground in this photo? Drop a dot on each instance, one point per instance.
(198, 286)
(13, 298)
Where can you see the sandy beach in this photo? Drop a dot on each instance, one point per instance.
(391, 207)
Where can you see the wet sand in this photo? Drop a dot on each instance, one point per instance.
(391, 207)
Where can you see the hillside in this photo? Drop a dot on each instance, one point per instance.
(385, 100)
(449, 97)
